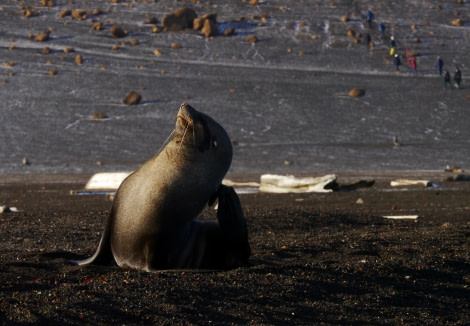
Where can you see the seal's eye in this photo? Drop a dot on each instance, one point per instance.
(214, 143)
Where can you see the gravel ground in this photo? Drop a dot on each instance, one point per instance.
(317, 259)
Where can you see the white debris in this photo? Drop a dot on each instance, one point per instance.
(407, 182)
(286, 184)
(106, 181)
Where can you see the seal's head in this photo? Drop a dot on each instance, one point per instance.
(199, 131)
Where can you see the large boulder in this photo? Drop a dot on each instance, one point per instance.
(179, 20)
(209, 28)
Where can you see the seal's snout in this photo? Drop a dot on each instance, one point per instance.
(186, 116)
(183, 122)
(186, 110)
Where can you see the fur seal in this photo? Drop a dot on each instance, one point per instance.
(152, 222)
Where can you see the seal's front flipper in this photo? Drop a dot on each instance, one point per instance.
(233, 227)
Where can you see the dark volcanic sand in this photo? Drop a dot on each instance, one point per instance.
(284, 101)
(317, 259)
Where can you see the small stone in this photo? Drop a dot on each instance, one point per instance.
(357, 92)
(251, 39)
(118, 32)
(133, 98)
(43, 36)
(98, 26)
(78, 59)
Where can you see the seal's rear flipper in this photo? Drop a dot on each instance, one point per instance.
(233, 226)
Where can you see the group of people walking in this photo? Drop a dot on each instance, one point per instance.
(411, 57)
(457, 78)
(447, 81)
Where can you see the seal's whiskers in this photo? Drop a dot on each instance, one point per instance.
(167, 140)
(182, 138)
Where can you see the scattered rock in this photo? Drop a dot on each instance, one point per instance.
(454, 169)
(99, 116)
(457, 22)
(98, 26)
(179, 20)
(79, 14)
(52, 72)
(43, 36)
(78, 59)
(133, 98)
(229, 31)
(251, 39)
(47, 3)
(65, 13)
(357, 92)
(118, 32)
(157, 52)
(351, 33)
(198, 23)
(28, 13)
(9, 64)
(176, 46)
(151, 20)
(210, 28)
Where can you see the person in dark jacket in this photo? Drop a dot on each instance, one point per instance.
(447, 79)
(369, 17)
(439, 65)
(397, 62)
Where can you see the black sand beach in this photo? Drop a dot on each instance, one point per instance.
(317, 258)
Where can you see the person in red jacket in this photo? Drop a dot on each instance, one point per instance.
(413, 65)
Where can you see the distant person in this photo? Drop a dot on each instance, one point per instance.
(381, 28)
(439, 64)
(447, 79)
(367, 39)
(457, 78)
(396, 62)
(414, 65)
(369, 18)
(393, 46)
